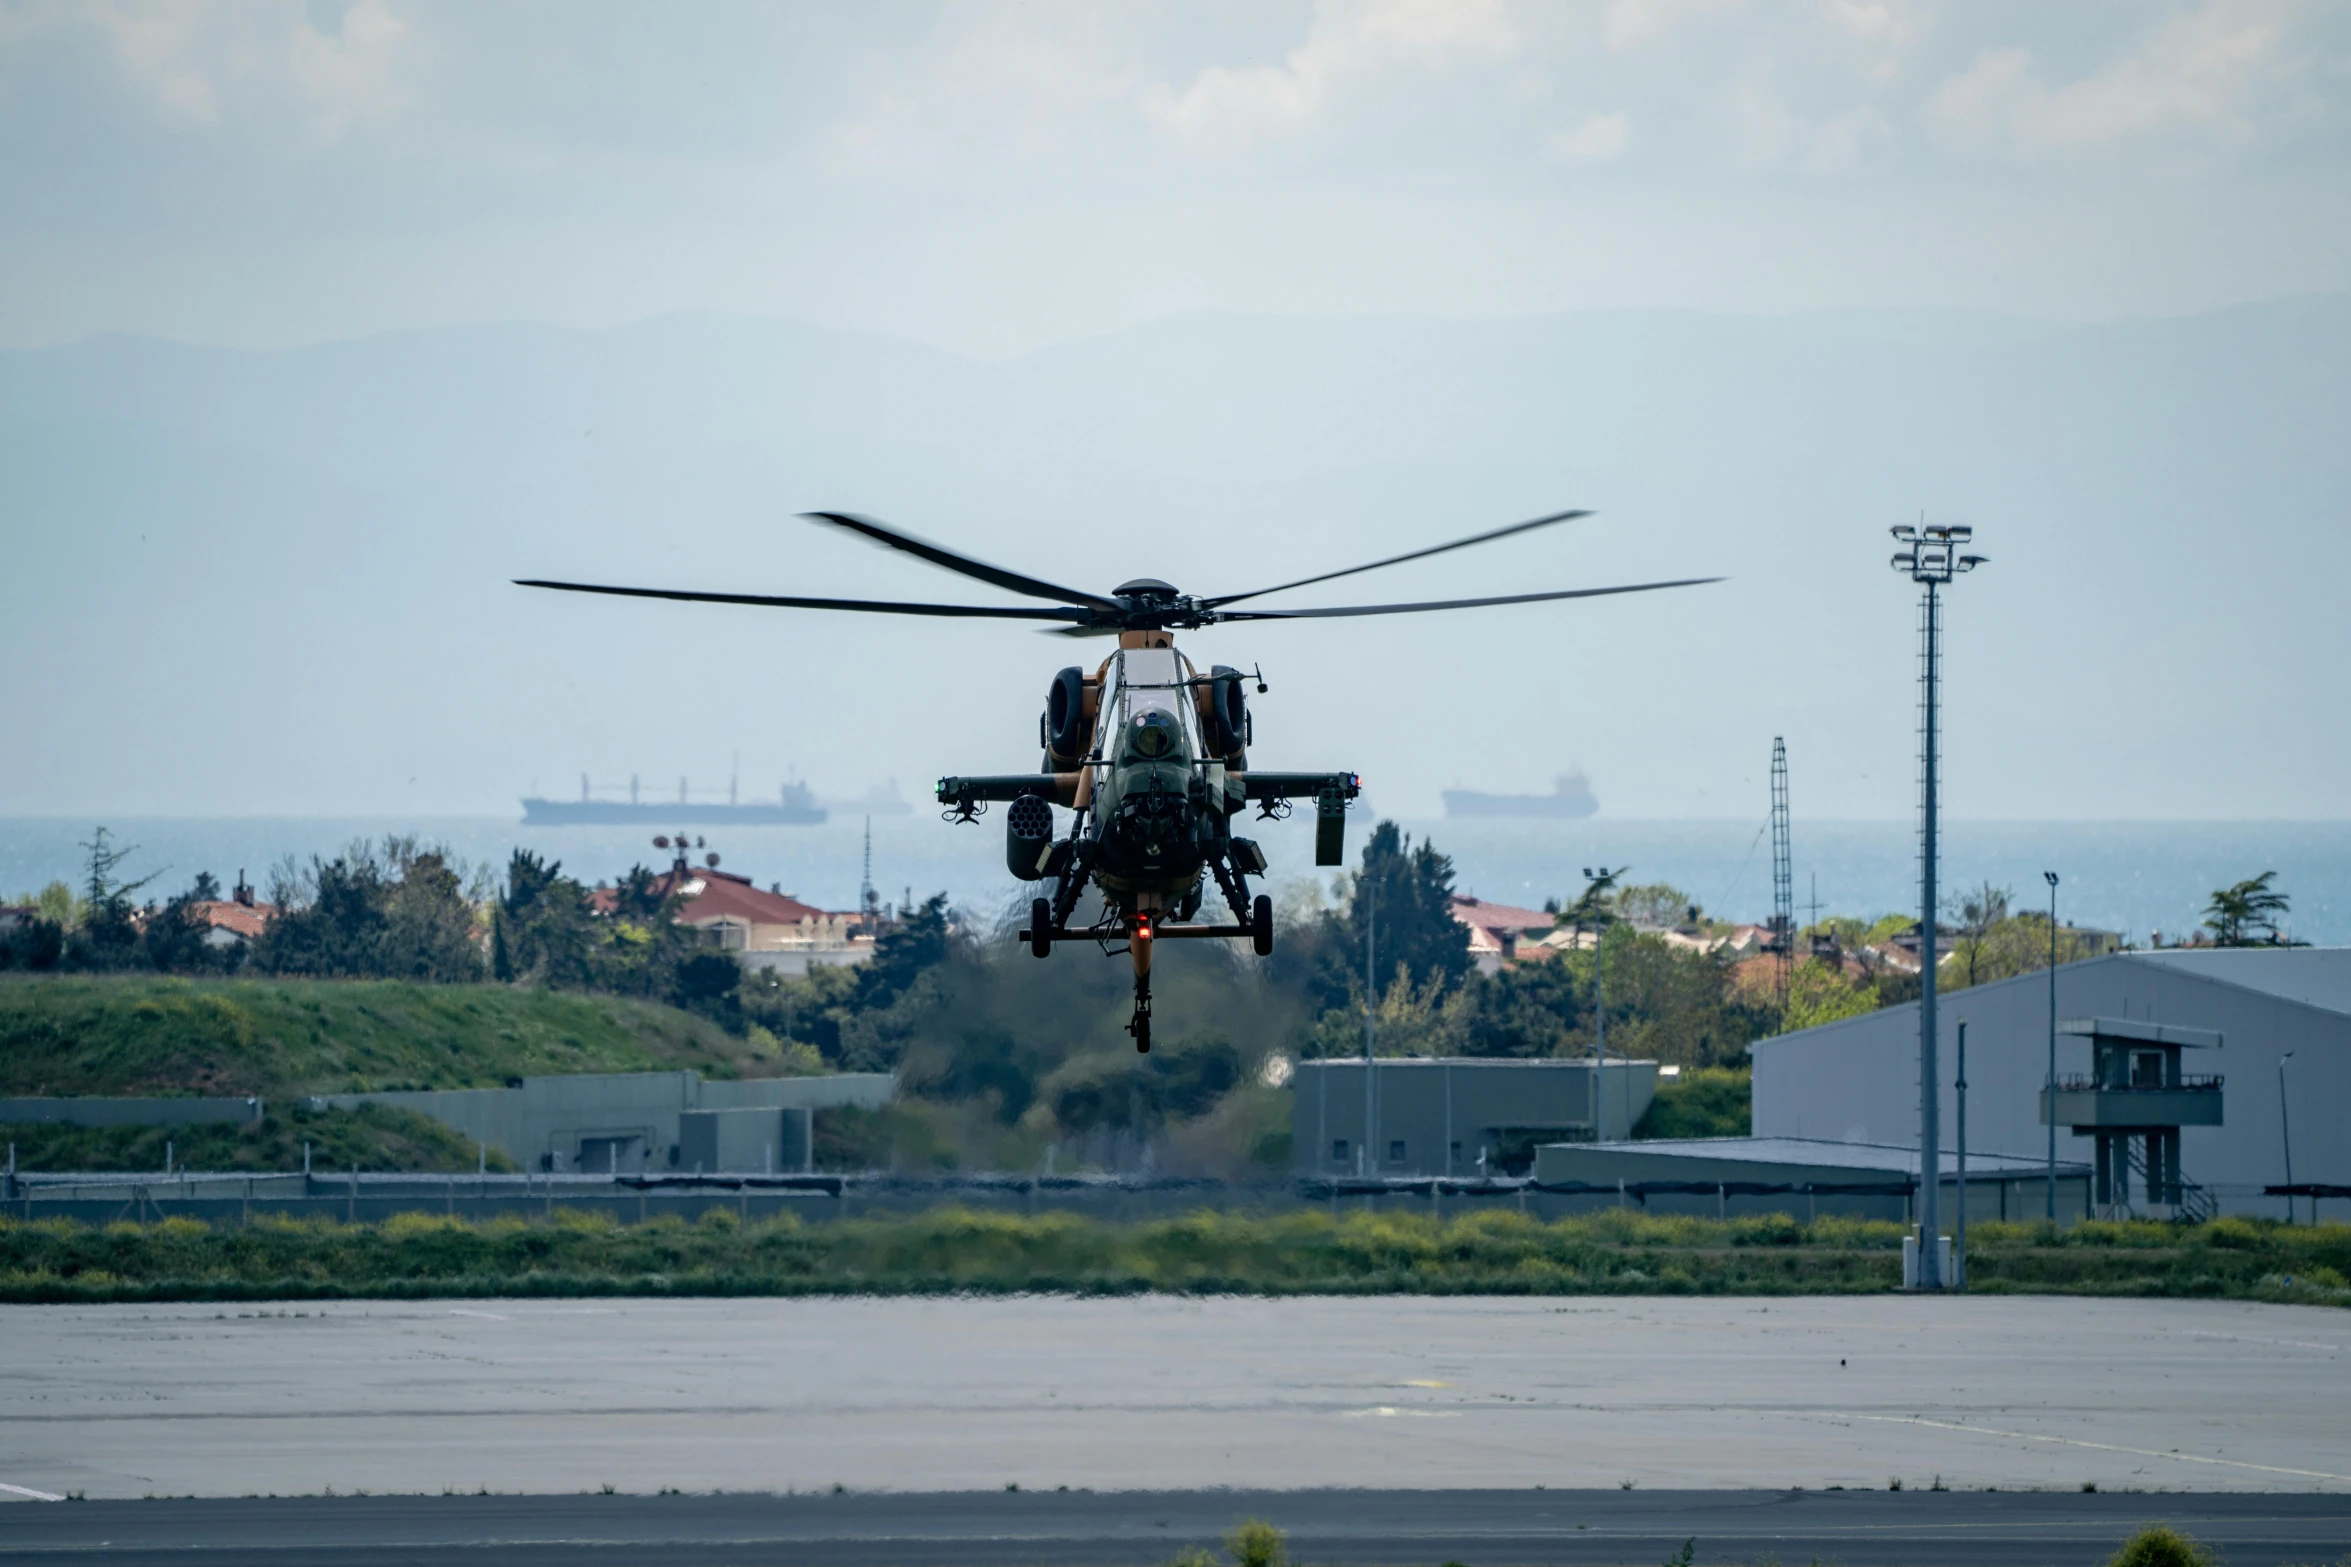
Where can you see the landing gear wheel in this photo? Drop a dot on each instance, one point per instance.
(1040, 928)
(1140, 1027)
(1261, 926)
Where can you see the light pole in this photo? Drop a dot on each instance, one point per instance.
(1600, 1011)
(2286, 1133)
(1931, 558)
(1367, 1161)
(1959, 1246)
(2051, 878)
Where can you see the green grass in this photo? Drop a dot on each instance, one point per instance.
(1307, 1252)
(1706, 1101)
(144, 1034)
(373, 1137)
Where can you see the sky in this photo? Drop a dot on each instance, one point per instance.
(319, 322)
(994, 177)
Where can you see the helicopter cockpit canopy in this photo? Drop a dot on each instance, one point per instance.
(1153, 706)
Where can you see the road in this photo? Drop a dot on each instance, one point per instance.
(1096, 1529)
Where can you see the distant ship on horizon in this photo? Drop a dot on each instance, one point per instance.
(793, 806)
(1570, 799)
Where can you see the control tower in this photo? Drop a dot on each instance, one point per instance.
(2133, 1104)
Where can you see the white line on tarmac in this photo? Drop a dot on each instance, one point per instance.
(26, 1490)
(2104, 1447)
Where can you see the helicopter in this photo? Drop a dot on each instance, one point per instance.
(1149, 755)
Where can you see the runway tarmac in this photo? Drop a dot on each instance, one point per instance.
(556, 1398)
(1134, 1529)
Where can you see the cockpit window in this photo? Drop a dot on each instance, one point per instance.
(1152, 697)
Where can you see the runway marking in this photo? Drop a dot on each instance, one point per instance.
(487, 1316)
(28, 1491)
(1422, 1382)
(1390, 1411)
(2104, 1447)
(2247, 1338)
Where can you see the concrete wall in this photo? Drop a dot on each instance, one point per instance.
(95, 1111)
(766, 1141)
(544, 1123)
(1857, 1080)
(1430, 1106)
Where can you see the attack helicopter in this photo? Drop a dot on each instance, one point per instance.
(1149, 755)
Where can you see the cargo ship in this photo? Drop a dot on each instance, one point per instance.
(1570, 799)
(793, 806)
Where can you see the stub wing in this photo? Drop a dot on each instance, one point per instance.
(1331, 793)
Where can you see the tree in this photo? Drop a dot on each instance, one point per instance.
(1403, 898)
(1655, 906)
(1819, 993)
(542, 926)
(107, 936)
(2246, 915)
(1669, 1004)
(177, 940)
(1531, 1010)
(1977, 914)
(398, 912)
(903, 953)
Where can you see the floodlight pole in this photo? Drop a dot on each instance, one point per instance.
(1930, 557)
(2051, 878)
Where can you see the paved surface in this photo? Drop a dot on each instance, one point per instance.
(564, 1397)
(977, 1529)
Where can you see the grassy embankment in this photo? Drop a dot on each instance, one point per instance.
(1495, 1252)
(283, 1039)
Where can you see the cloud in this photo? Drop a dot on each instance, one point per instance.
(1627, 24)
(2204, 71)
(155, 44)
(1771, 136)
(1600, 139)
(1883, 21)
(350, 72)
(1227, 106)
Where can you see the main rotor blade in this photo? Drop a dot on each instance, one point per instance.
(938, 555)
(866, 606)
(1414, 609)
(1398, 560)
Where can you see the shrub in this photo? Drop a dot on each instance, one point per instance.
(2160, 1545)
(1256, 1543)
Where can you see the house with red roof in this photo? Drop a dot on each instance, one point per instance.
(767, 929)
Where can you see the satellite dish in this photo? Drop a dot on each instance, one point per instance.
(710, 860)
(661, 843)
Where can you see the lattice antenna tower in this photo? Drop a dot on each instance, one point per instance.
(869, 903)
(1783, 874)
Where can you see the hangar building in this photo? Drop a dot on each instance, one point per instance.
(1856, 1081)
(1456, 1115)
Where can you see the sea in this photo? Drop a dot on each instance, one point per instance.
(2143, 879)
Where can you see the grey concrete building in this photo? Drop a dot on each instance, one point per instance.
(1999, 1186)
(2243, 1014)
(1459, 1115)
(630, 1122)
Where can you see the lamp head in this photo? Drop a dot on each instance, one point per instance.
(2050, 877)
